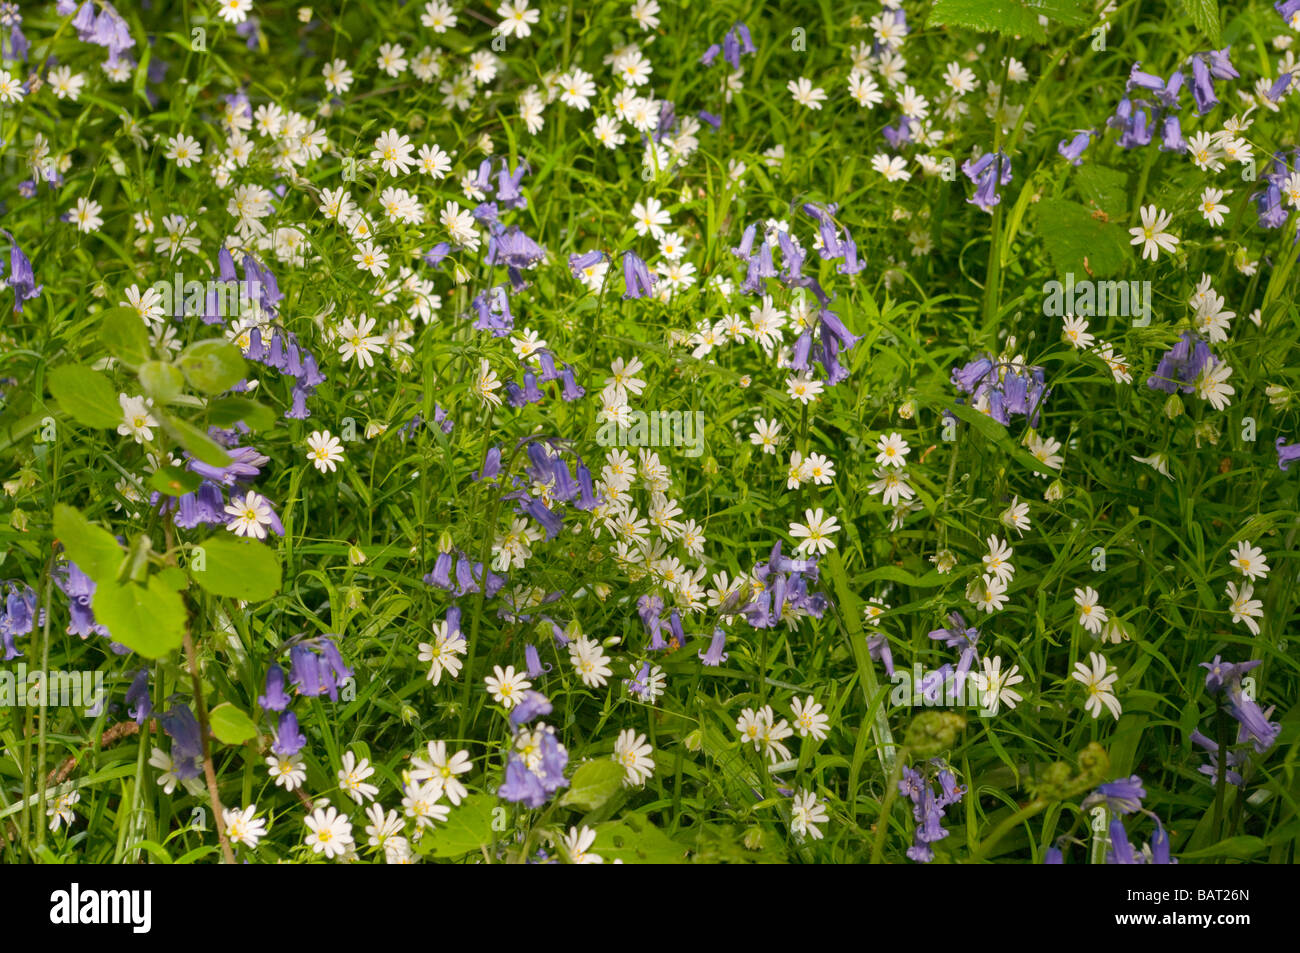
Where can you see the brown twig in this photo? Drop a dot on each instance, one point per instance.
(123, 729)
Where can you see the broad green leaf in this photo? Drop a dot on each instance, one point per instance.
(150, 619)
(634, 840)
(240, 569)
(212, 366)
(94, 549)
(230, 725)
(468, 828)
(124, 335)
(86, 395)
(175, 481)
(593, 784)
(195, 441)
(1105, 188)
(161, 381)
(228, 410)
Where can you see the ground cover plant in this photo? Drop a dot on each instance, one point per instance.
(649, 432)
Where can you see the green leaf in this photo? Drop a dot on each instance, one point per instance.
(594, 783)
(195, 441)
(1241, 847)
(1205, 14)
(1105, 188)
(230, 725)
(634, 840)
(175, 481)
(86, 395)
(228, 410)
(148, 619)
(240, 569)
(124, 335)
(1007, 17)
(468, 828)
(212, 366)
(161, 381)
(94, 549)
(1079, 242)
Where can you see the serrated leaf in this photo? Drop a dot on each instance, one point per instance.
(123, 334)
(1205, 14)
(1079, 242)
(147, 619)
(239, 569)
(1007, 17)
(594, 783)
(86, 395)
(1107, 189)
(230, 725)
(212, 366)
(94, 549)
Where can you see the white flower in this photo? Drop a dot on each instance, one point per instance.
(420, 802)
(444, 768)
(288, 771)
(250, 515)
(508, 686)
(137, 421)
(438, 16)
(766, 434)
(331, 832)
(805, 94)
(632, 752)
(1248, 559)
(1151, 235)
(1244, 607)
(1212, 383)
(893, 451)
(357, 343)
(578, 842)
(806, 812)
(1210, 207)
(1076, 332)
(996, 684)
(1094, 677)
(516, 18)
(815, 532)
(183, 150)
(242, 826)
(1016, 516)
(988, 593)
(86, 215)
(650, 216)
(1091, 615)
(393, 152)
(352, 778)
(338, 78)
(998, 560)
(590, 661)
(442, 653)
(234, 11)
(324, 451)
(809, 719)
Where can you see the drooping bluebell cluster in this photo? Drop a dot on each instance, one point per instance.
(206, 505)
(1181, 365)
(107, 29)
(469, 574)
(13, 44)
(1273, 211)
(535, 766)
(735, 43)
(1003, 389)
(1157, 102)
(928, 808)
(19, 616)
(988, 172)
(80, 590)
(824, 337)
(1225, 678)
(21, 279)
(187, 741)
(787, 591)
